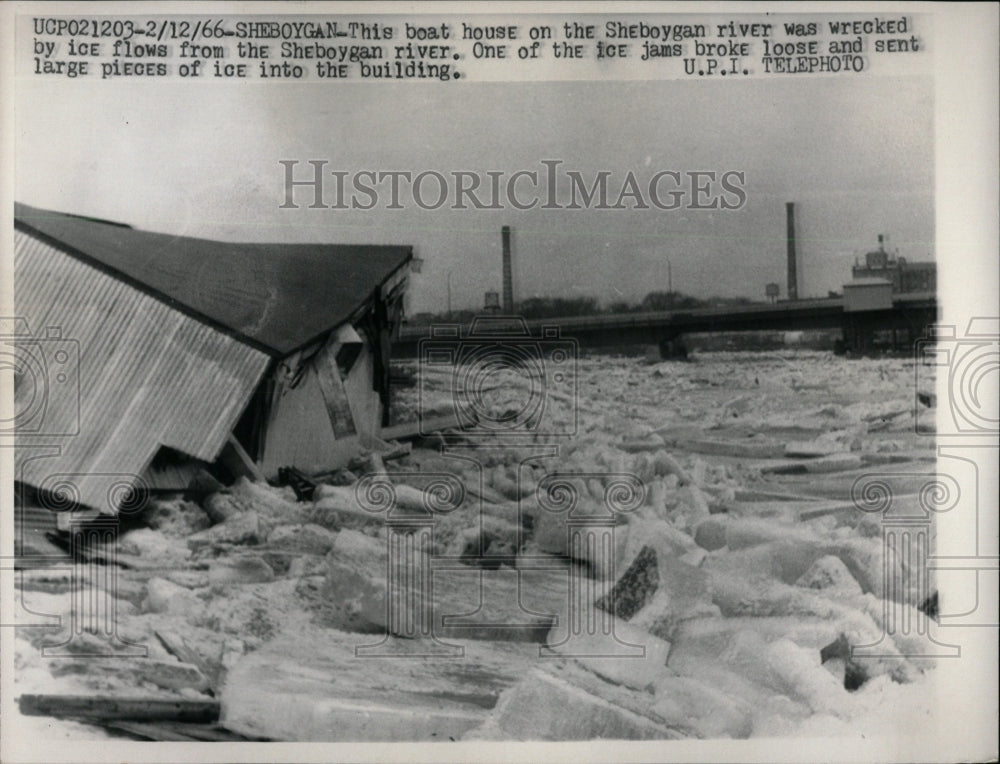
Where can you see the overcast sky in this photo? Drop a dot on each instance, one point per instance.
(854, 153)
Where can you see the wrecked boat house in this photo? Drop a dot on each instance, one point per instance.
(185, 351)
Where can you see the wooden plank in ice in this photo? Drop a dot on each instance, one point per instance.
(831, 463)
(902, 478)
(749, 449)
(752, 495)
(179, 732)
(408, 430)
(811, 449)
(112, 707)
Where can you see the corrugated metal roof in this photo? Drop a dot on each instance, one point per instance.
(277, 297)
(126, 375)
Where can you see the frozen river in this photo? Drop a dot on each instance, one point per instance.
(748, 555)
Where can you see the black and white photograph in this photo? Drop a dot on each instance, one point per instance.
(499, 382)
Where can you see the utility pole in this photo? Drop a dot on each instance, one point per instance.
(449, 294)
(670, 285)
(793, 278)
(508, 275)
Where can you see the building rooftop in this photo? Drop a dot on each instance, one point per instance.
(278, 297)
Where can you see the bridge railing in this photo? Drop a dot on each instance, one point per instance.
(656, 318)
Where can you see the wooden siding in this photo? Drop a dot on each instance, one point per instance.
(148, 375)
(366, 409)
(299, 433)
(302, 430)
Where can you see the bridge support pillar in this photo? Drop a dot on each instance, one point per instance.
(859, 334)
(673, 348)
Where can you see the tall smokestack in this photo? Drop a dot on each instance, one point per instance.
(508, 276)
(793, 277)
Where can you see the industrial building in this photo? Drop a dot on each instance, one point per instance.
(906, 277)
(131, 347)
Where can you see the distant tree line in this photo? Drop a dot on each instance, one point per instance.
(563, 307)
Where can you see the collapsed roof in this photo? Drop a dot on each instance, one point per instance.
(276, 297)
(143, 341)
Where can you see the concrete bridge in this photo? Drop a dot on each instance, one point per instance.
(908, 318)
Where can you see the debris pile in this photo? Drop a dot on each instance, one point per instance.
(709, 517)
